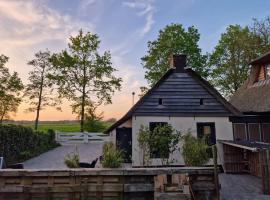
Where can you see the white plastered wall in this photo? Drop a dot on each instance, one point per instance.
(184, 124)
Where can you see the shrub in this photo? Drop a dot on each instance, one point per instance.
(95, 126)
(161, 142)
(72, 159)
(194, 151)
(111, 156)
(19, 143)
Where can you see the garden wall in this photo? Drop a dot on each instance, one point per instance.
(105, 184)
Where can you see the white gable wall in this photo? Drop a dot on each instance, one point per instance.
(184, 124)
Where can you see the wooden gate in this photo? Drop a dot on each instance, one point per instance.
(80, 138)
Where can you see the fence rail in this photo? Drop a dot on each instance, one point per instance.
(98, 183)
(79, 138)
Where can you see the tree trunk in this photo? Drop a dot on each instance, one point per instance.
(1, 120)
(83, 99)
(2, 116)
(39, 99)
(82, 113)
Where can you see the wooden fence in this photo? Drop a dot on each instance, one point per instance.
(265, 169)
(79, 138)
(105, 184)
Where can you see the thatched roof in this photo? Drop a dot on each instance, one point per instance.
(252, 97)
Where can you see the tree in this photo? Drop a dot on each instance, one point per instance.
(83, 75)
(39, 90)
(230, 58)
(173, 39)
(93, 120)
(261, 28)
(10, 87)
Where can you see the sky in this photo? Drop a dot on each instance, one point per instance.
(124, 28)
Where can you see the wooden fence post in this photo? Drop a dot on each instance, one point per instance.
(214, 150)
(265, 166)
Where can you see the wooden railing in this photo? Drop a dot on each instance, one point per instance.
(78, 137)
(98, 183)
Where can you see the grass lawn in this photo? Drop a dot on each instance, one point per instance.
(61, 127)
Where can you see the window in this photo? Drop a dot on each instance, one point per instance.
(254, 132)
(160, 101)
(207, 131)
(152, 126)
(239, 131)
(266, 132)
(267, 71)
(201, 101)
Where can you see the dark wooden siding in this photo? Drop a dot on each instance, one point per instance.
(181, 96)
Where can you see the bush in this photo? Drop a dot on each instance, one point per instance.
(161, 142)
(111, 156)
(19, 143)
(72, 160)
(95, 126)
(194, 151)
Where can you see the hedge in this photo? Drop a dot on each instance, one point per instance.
(19, 143)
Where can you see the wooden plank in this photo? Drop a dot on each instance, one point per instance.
(265, 165)
(139, 187)
(97, 183)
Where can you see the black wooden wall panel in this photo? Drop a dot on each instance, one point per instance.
(181, 96)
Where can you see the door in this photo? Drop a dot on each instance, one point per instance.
(208, 131)
(124, 142)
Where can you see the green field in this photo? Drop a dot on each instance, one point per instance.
(61, 127)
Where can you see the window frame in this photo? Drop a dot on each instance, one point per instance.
(246, 131)
(212, 128)
(266, 75)
(260, 132)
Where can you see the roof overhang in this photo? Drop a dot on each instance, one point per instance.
(248, 145)
(265, 58)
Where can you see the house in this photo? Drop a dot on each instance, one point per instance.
(180, 98)
(251, 131)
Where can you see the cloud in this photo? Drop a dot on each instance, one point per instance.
(30, 26)
(122, 100)
(85, 3)
(145, 9)
(30, 23)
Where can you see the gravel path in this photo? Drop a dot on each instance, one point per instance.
(54, 159)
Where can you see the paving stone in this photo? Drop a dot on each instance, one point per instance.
(54, 159)
(241, 187)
